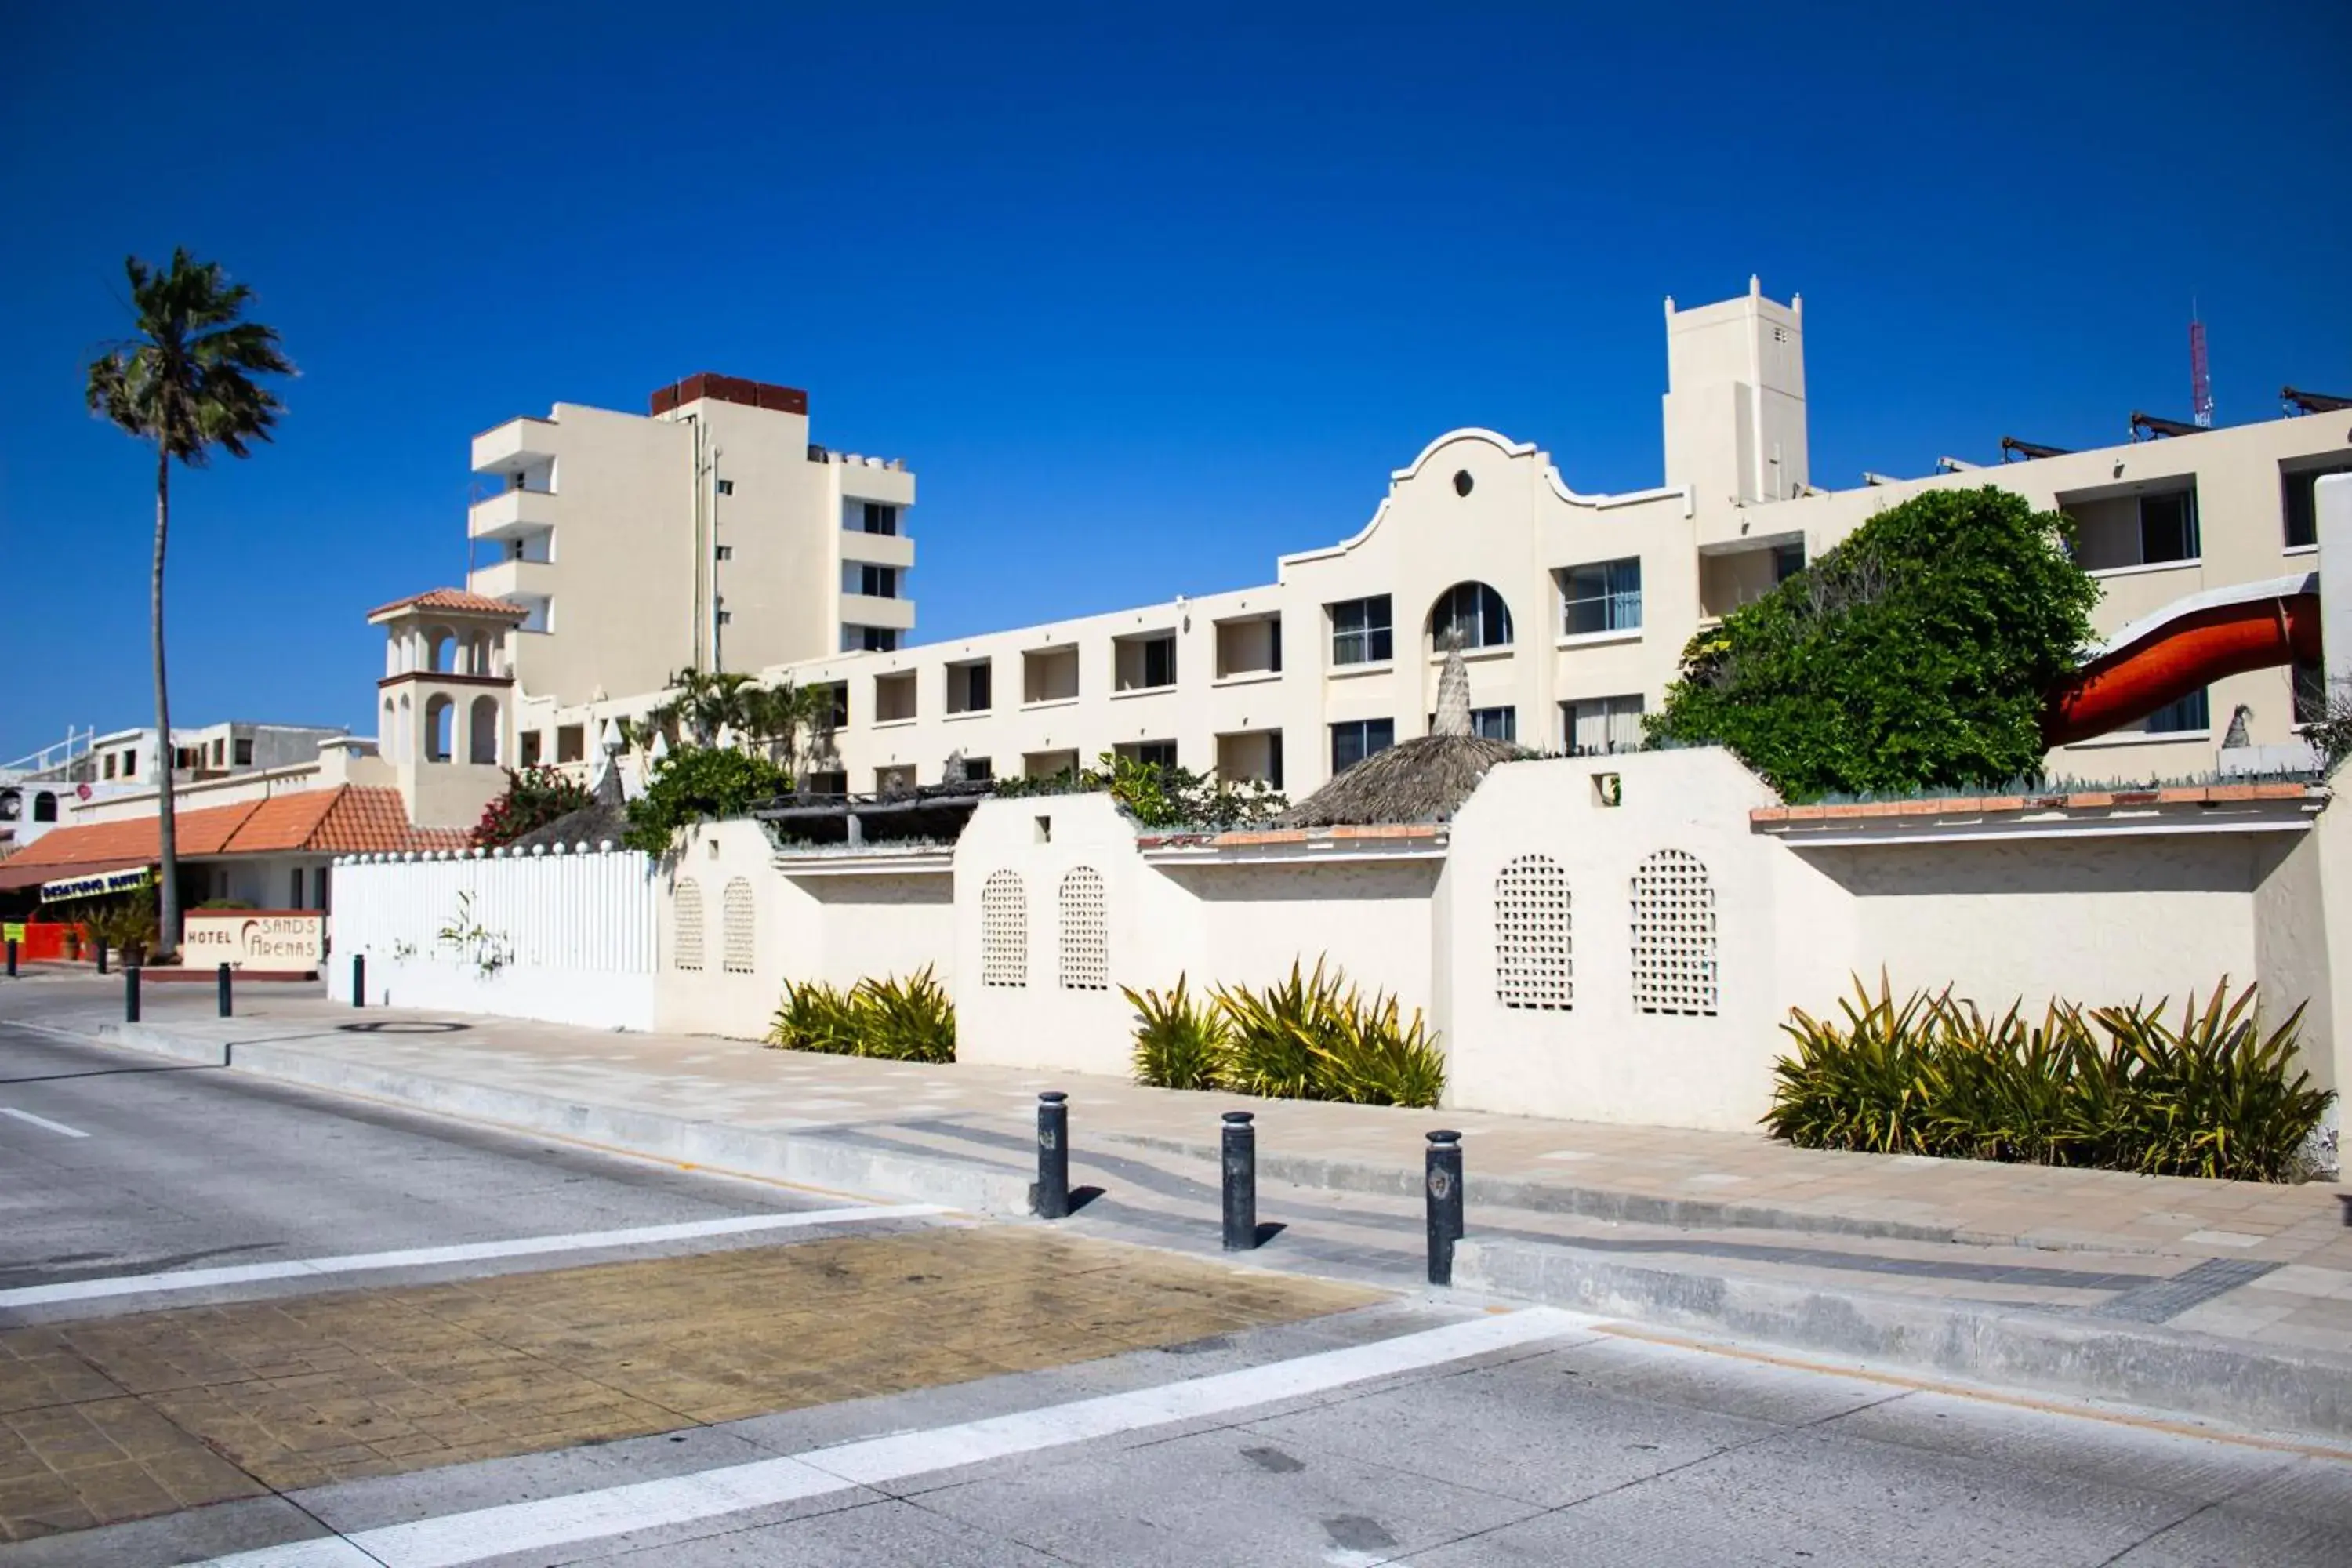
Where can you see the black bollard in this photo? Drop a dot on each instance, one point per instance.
(12, 958)
(359, 980)
(220, 980)
(101, 955)
(130, 993)
(1241, 1182)
(1053, 1201)
(1445, 1191)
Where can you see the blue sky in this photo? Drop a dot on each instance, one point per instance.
(1145, 295)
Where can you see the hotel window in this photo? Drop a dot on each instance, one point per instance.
(2303, 503)
(243, 751)
(110, 765)
(130, 763)
(726, 487)
(1150, 754)
(220, 753)
(880, 519)
(531, 745)
(877, 582)
(2192, 714)
(1361, 632)
(571, 742)
(1604, 596)
(2115, 532)
(726, 617)
(1787, 560)
(978, 770)
(970, 687)
(1495, 723)
(295, 902)
(869, 639)
(1142, 664)
(1354, 740)
(1472, 612)
(1592, 726)
(726, 552)
(837, 716)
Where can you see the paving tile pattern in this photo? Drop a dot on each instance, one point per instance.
(122, 1418)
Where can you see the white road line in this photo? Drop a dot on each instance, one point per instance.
(481, 1533)
(42, 1121)
(468, 1252)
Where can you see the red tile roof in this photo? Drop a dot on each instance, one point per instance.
(348, 819)
(452, 599)
(2076, 799)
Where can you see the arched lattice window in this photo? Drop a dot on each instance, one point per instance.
(685, 910)
(1085, 932)
(1534, 961)
(1474, 613)
(1674, 936)
(1004, 931)
(736, 927)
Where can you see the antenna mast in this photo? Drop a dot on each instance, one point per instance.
(2201, 380)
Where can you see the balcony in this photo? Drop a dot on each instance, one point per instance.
(510, 513)
(516, 444)
(520, 581)
(866, 610)
(880, 548)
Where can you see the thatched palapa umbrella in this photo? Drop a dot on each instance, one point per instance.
(1425, 779)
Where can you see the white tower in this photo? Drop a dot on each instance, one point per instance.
(1735, 404)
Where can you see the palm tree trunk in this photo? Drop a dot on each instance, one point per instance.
(167, 894)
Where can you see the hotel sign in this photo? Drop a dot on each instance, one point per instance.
(253, 938)
(97, 884)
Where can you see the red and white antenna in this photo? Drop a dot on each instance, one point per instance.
(2201, 380)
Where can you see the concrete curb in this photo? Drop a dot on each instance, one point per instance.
(2275, 1388)
(805, 1158)
(1558, 1197)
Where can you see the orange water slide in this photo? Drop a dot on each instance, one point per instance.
(2191, 643)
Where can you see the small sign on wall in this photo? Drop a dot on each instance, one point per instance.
(254, 939)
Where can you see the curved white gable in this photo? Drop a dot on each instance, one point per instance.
(1509, 449)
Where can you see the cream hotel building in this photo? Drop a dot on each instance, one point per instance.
(713, 531)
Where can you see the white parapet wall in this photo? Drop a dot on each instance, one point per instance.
(566, 938)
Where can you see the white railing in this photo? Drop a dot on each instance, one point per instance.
(563, 937)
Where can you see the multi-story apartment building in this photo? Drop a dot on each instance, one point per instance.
(1573, 608)
(708, 534)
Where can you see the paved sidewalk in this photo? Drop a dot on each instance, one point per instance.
(2262, 1267)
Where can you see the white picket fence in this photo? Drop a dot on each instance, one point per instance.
(566, 937)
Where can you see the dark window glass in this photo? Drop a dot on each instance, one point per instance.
(2190, 714)
(2167, 527)
(880, 519)
(1159, 662)
(1495, 723)
(245, 754)
(1353, 741)
(1787, 560)
(1605, 596)
(979, 768)
(1156, 753)
(1472, 612)
(2310, 692)
(2303, 503)
(1361, 631)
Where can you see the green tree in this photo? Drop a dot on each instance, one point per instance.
(1915, 655)
(184, 380)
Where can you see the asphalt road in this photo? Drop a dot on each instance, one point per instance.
(1549, 1440)
(179, 1167)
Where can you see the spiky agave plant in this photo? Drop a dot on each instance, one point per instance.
(1178, 1043)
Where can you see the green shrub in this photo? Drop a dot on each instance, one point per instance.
(1160, 795)
(2118, 1089)
(909, 1020)
(533, 798)
(1178, 1043)
(1915, 654)
(701, 783)
(1316, 1036)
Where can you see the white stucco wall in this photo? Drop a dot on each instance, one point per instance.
(1603, 1057)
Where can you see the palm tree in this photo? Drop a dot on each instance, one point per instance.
(183, 380)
